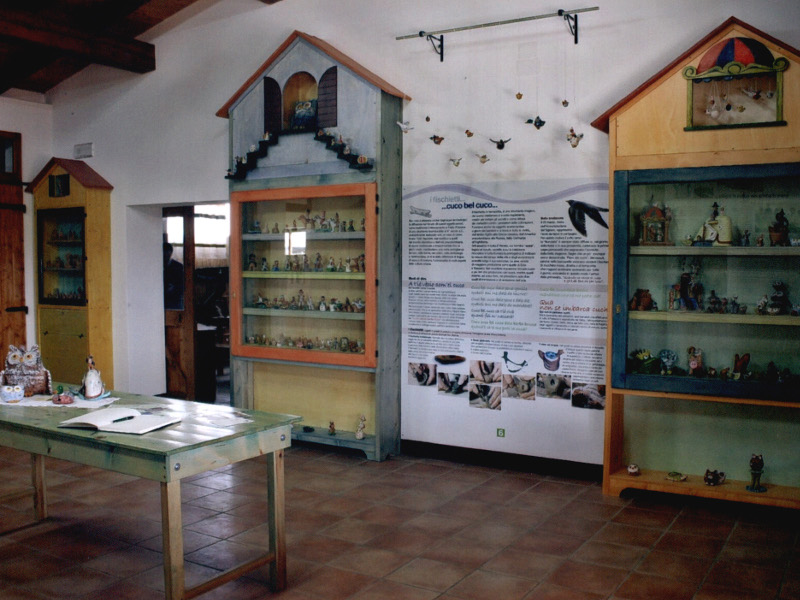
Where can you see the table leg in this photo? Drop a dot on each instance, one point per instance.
(39, 486)
(172, 533)
(277, 519)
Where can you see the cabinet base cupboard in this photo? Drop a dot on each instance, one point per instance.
(704, 308)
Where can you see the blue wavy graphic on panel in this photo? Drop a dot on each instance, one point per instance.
(476, 193)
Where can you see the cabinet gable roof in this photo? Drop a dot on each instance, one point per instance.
(83, 174)
(602, 122)
(323, 46)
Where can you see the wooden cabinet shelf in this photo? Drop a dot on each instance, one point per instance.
(735, 490)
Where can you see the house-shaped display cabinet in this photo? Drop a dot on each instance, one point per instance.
(315, 176)
(709, 147)
(73, 230)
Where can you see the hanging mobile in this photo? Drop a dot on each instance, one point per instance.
(455, 161)
(437, 139)
(574, 138)
(501, 143)
(537, 122)
(405, 126)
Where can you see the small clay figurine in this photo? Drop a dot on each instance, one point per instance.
(251, 262)
(331, 429)
(779, 230)
(93, 386)
(264, 265)
(362, 422)
(756, 469)
(633, 470)
(676, 476)
(714, 477)
(695, 357)
(668, 360)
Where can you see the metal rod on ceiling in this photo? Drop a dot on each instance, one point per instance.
(560, 13)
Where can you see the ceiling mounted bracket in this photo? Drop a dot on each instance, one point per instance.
(436, 38)
(436, 42)
(572, 23)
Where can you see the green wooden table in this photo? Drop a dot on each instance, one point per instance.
(195, 445)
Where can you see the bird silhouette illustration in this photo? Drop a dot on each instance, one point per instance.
(578, 212)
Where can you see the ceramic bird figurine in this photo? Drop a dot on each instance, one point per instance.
(483, 158)
(574, 138)
(405, 126)
(93, 386)
(468, 133)
(437, 139)
(578, 212)
(501, 143)
(455, 161)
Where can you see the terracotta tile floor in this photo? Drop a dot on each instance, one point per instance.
(410, 528)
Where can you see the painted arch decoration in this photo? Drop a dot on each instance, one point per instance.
(737, 83)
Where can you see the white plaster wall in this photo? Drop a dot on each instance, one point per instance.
(34, 120)
(158, 142)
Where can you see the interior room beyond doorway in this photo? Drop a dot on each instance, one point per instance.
(197, 342)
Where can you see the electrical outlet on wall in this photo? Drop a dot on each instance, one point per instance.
(83, 150)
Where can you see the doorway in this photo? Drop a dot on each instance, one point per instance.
(197, 338)
(12, 253)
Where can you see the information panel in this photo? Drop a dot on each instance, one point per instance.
(504, 316)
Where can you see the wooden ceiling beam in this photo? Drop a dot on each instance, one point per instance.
(128, 54)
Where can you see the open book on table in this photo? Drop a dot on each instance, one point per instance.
(120, 420)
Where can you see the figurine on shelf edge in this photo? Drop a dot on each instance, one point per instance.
(714, 477)
(654, 230)
(362, 423)
(779, 230)
(756, 469)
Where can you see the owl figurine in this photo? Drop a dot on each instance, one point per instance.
(25, 368)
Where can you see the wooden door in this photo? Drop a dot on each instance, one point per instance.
(179, 320)
(12, 254)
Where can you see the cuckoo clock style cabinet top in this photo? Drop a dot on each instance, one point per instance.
(304, 87)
